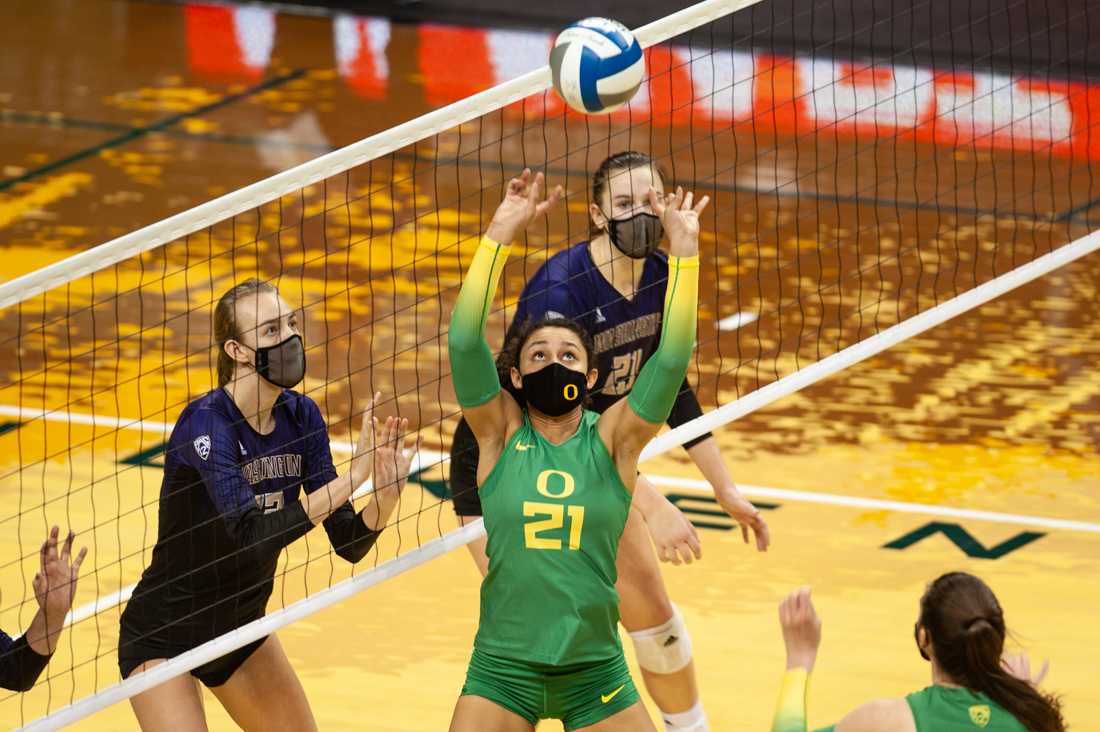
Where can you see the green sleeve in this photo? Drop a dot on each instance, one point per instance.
(472, 368)
(659, 381)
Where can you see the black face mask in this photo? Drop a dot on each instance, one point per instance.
(555, 390)
(636, 237)
(283, 364)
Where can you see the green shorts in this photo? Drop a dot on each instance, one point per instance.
(578, 695)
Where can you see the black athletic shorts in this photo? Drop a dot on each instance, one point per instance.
(463, 480)
(212, 674)
(160, 623)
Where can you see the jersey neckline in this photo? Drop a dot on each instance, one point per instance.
(239, 417)
(647, 269)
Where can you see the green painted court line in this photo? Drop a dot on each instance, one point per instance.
(138, 132)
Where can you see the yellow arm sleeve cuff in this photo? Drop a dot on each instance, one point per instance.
(790, 712)
(472, 367)
(660, 379)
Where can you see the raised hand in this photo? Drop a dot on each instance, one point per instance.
(362, 459)
(521, 205)
(393, 455)
(54, 589)
(801, 629)
(679, 216)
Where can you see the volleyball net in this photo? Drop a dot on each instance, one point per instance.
(857, 201)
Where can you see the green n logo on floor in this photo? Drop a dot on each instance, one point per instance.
(962, 538)
(712, 518)
(145, 457)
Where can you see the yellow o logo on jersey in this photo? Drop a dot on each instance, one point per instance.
(571, 392)
(567, 484)
(979, 714)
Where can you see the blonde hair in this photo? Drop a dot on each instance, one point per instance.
(225, 322)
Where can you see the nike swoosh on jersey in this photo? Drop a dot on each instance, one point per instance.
(521, 447)
(605, 698)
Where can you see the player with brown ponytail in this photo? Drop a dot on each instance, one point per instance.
(961, 630)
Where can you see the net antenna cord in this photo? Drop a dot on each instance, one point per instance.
(711, 420)
(336, 162)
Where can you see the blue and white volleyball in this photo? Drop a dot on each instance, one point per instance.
(597, 65)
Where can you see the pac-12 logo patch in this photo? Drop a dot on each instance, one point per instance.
(979, 714)
(202, 446)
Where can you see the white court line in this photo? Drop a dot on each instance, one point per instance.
(876, 504)
(736, 320)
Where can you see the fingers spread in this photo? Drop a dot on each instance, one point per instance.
(79, 561)
(702, 204)
(67, 547)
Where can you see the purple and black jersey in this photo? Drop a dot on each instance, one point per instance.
(229, 503)
(20, 665)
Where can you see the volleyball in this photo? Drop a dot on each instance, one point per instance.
(597, 65)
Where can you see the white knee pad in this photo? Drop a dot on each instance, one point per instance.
(665, 649)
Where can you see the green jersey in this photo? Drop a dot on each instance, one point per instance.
(554, 515)
(949, 709)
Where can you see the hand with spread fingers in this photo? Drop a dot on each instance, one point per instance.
(54, 589)
(394, 451)
(521, 206)
(679, 216)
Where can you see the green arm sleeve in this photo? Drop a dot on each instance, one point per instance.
(659, 381)
(472, 368)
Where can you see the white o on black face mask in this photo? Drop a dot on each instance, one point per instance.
(638, 236)
(283, 364)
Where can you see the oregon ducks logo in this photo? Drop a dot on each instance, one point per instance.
(564, 481)
(979, 714)
(571, 392)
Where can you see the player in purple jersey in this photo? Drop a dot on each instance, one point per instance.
(247, 471)
(614, 286)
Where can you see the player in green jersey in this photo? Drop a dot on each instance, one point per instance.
(555, 485)
(961, 630)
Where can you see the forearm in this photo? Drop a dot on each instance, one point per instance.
(473, 370)
(21, 664)
(377, 513)
(321, 503)
(646, 496)
(708, 458)
(659, 381)
(350, 534)
(790, 711)
(44, 631)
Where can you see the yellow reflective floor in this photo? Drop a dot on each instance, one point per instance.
(996, 411)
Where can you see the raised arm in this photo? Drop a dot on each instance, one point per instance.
(631, 422)
(353, 534)
(235, 501)
(492, 414)
(802, 636)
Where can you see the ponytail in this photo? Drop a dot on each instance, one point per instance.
(967, 629)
